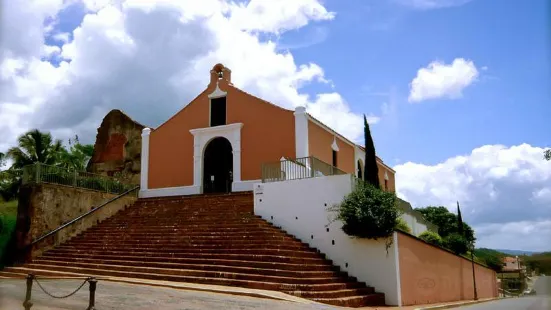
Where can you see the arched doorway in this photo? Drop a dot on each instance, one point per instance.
(360, 170)
(217, 166)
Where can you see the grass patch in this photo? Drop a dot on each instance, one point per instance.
(8, 216)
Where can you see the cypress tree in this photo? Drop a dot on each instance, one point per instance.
(371, 173)
(460, 229)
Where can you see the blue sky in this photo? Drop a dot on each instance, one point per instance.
(378, 46)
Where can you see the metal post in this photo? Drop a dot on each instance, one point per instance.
(92, 302)
(474, 278)
(27, 303)
(37, 173)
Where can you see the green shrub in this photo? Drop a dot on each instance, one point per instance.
(431, 237)
(402, 225)
(368, 212)
(456, 243)
(8, 216)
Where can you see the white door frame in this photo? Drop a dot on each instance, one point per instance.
(202, 137)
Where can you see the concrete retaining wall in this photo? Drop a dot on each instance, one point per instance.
(44, 207)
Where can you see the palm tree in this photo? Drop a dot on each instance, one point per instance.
(77, 156)
(35, 147)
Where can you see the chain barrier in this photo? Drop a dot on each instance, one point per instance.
(64, 296)
(27, 304)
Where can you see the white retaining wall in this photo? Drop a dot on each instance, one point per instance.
(300, 208)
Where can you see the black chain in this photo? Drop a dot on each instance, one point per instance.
(65, 296)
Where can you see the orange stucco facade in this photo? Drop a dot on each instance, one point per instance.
(431, 275)
(267, 134)
(319, 146)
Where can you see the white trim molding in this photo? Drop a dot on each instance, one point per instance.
(244, 186)
(170, 191)
(301, 133)
(202, 136)
(144, 161)
(328, 129)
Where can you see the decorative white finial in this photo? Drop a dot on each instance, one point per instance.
(217, 93)
(334, 145)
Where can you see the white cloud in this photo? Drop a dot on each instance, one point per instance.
(277, 16)
(521, 235)
(145, 58)
(440, 80)
(495, 185)
(432, 4)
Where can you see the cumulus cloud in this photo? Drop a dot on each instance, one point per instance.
(150, 58)
(440, 80)
(501, 190)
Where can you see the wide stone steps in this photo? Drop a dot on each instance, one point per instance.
(206, 267)
(200, 247)
(206, 239)
(243, 257)
(65, 250)
(154, 257)
(74, 266)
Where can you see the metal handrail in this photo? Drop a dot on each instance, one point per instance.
(297, 168)
(81, 216)
(40, 173)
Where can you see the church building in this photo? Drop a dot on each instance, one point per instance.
(221, 139)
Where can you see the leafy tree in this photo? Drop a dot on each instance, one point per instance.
(77, 156)
(492, 258)
(35, 147)
(2, 159)
(432, 238)
(402, 225)
(456, 243)
(10, 181)
(368, 212)
(371, 173)
(446, 221)
(540, 262)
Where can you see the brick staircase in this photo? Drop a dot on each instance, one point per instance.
(209, 239)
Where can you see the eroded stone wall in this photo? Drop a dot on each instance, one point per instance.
(117, 151)
(44, 207)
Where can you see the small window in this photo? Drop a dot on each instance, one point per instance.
(334, 158)
(218, 111)
(386, 185)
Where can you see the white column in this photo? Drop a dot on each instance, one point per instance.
(144, 172)
(236, 150)
(301, 133)
(197, 160)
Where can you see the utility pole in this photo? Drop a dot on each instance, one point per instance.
(474, 278)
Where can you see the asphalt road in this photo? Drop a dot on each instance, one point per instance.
(540, 301)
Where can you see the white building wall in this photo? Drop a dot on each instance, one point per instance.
(300, 208)
(417, 227)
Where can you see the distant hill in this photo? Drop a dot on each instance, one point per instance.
(515, 252)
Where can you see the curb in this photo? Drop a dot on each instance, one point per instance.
(460, 304)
